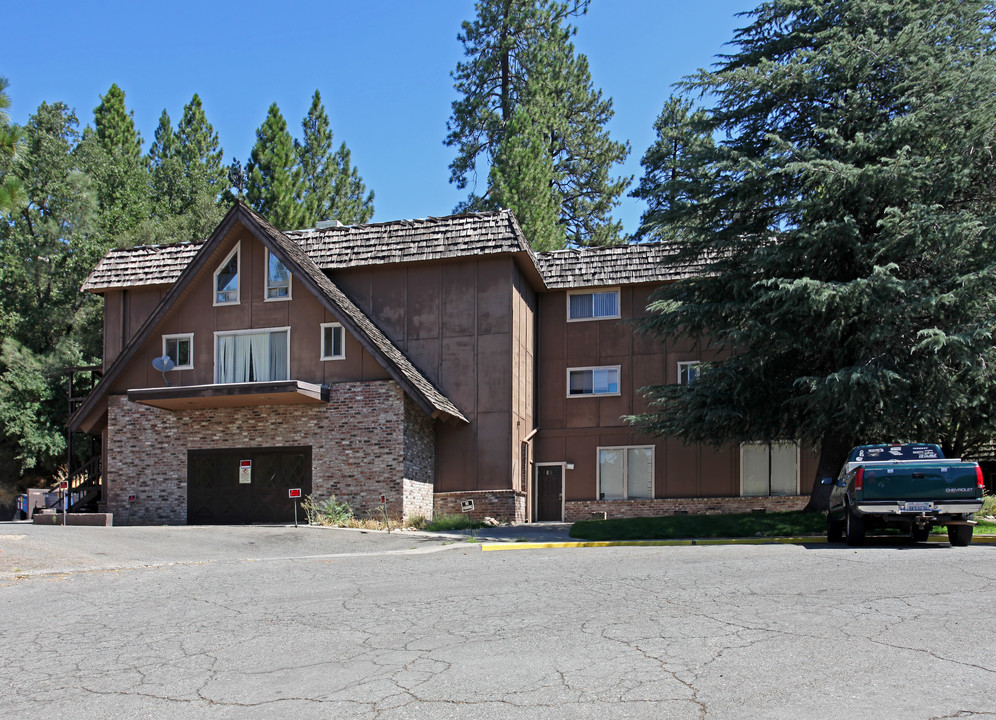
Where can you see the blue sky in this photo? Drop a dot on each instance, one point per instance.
(382, 67)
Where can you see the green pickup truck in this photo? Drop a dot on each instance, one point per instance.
(910, 486)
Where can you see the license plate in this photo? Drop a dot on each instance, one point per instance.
(916, 506)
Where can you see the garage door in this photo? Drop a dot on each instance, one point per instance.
(239, 487)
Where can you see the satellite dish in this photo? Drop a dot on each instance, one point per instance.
(163, 364)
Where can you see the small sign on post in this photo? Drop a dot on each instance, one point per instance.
(467, 505)
(295, 495)
(245, 472)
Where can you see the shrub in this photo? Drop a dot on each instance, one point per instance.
(453, 522)
(330, 511)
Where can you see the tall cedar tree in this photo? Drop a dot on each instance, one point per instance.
(273, 177)
(845, 228)
(520, 57)
(333, 189)
(113, 157)
(187, 178)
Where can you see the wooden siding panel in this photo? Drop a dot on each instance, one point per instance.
(494, 301)
(494, 438)
(422, 305)
(459, 300)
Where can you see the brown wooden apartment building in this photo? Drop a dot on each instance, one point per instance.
(419, 363)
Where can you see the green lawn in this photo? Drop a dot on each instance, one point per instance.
(674, 527)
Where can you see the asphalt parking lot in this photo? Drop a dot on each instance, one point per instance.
(277, 622)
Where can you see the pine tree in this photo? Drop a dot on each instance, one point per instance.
(845, 229)
(47, 248)
(520, 56)
(112, 154)
(12, 195)
(522, 176)
(274, 187)
(334, 189)
(166, 171)
(187, 178)
(674, 168)
(200, 150)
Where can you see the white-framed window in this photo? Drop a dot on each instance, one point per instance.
(226, 279)
(769, 468)
(688, 372)
(593, 381)
(626, 473)
(278, 279)
(180, 349)
(593, 305)
(333, 341)
(252, 355)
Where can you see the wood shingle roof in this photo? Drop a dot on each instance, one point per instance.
(143, 265)
(614, 265)
(431, 238)
(403, 241)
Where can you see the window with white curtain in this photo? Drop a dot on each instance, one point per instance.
(626, 473)
(252, 356)
(593, 305)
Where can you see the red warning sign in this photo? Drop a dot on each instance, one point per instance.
(294, 493)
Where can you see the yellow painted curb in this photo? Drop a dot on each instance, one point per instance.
(649, 543)
(815, 540)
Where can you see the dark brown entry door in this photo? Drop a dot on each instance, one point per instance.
(549, 486)
(217, 493)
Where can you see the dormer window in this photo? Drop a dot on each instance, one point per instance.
(226, 280)
(278, 279)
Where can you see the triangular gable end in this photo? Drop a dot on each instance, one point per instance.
(306, 274)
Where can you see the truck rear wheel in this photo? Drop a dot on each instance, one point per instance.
(920, 533)
(959, 535)
(855, 530)
(835, 529)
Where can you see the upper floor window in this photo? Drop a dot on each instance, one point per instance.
(252, 355)
(180, 348)
(688, 372)
(593, 381)
(226, 279)
(593, 305)
(333, 342)
(278, 279)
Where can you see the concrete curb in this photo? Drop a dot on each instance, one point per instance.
(814, 540)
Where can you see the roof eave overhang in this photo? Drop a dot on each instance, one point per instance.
(195, 397)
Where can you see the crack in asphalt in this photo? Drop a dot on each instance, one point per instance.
(378, 635)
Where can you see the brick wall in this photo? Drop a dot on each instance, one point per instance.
(365, 442)
(583, 509)
(419, 462)
(504, 505)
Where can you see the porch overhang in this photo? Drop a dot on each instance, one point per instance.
(195, 397)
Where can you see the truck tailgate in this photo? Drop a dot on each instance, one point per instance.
(915, 481)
